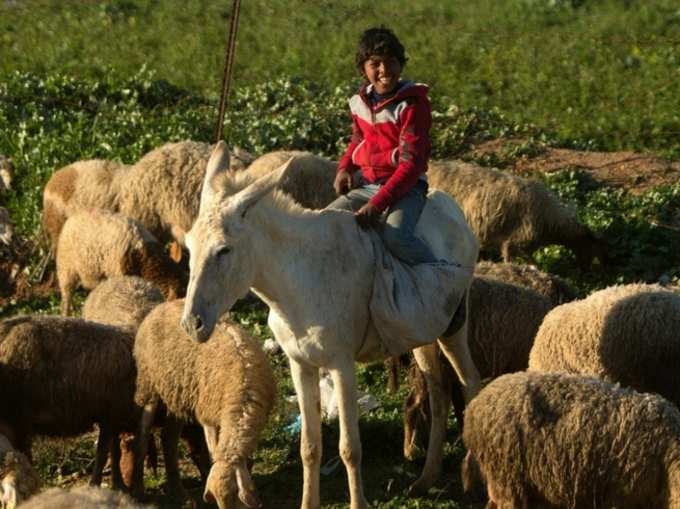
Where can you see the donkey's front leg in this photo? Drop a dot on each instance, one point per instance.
(306, 381)
(344, 379)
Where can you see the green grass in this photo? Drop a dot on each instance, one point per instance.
(600, 73)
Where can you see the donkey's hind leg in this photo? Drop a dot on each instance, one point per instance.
(456, 349)
(440, 397)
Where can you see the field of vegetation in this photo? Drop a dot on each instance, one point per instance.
(115, 78)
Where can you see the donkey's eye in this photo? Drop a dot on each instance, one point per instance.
(223, 251)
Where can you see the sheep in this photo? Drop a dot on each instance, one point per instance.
(81, 497)
(18, 478)
(225, 383)
(156, 190)
(529, 276)
(309, 179)
(77, 186)
(625, 333)
(503, 321)
(5, 173)
(96, 244)
(123, 301)
(573, 442)
(59, 376)
(513, 214)
(6, 227)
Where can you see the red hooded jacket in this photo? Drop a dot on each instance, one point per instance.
(390, 140)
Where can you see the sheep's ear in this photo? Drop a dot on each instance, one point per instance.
(246, 487)
(218, 163)
(258, 189)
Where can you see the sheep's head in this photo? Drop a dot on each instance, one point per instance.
(221, 262)
(230, 485)
(18, 479)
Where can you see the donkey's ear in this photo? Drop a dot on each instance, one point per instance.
(218, 163)
(245, 199)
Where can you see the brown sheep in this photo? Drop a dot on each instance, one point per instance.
(572, 442)
(513, 214)
(226, 384)
(98, 244)
(59, 376)
(625, 334)
(556, 289)
(503, 321)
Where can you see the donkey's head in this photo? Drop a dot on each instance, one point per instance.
(220, 243)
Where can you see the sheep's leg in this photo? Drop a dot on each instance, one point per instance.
(145, 424)
(200, 454)
(428, 362)
(306, 381)
(170, 438)
(210, 433)
(457, 351)
(116, 476)
(344, 380)
(104, 441)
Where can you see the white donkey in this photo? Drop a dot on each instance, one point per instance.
(314, 269)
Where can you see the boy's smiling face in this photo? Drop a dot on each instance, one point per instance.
(383, 73)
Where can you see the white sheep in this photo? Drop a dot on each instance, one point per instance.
(226, 384)
(513, 214)
(309, 179)
(626, 334)
(98, 244)
(572, 442)
(76, 187)
(59, 376)
(81, 497)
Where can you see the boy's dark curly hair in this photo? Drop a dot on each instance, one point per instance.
(379, 41)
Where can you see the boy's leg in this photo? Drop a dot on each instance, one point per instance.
(400, 226)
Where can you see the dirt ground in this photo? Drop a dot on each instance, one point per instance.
(632, 171)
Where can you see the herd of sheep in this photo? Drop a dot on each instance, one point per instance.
(565, 420)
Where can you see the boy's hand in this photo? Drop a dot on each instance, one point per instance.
(367, 215)
(343, 182)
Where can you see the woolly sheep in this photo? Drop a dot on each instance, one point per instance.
(123, 301)
(309, 179)
(5, 174)
(529, 276)
(224, 383)
(156, 190)
(6, 227)
(503, 321)
(82, 497)
(572, 442)
(59, 376)
(512, 214)
(98, 244)
(78, 186)
(18, 478)
(626, 334)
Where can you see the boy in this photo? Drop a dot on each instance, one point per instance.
(385, 163)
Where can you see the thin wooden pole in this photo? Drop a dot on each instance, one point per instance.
(228, 67)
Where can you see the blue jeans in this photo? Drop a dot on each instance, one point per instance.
(398, 230)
